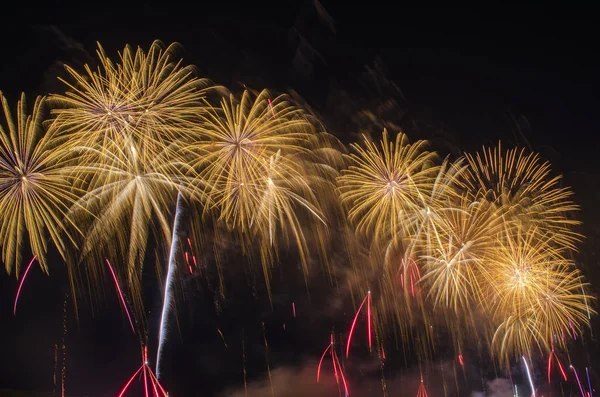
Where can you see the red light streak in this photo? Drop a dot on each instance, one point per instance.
(114, 276)
(353, 325)
(21, 284)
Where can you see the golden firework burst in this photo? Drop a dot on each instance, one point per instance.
(35, 194)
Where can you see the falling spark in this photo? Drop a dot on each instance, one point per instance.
(560, 367)
(342, 375)
(321, 361)
(244, 364)
(64, 348)
(460, 360)
(267, 358)
(529, 377)
(21, 284)
(168, 287)
(354, 324)
(578, 381)
(222, 337)
(587, 372)
(55, 368)
(114, 276)
(294, 309)
(338, 372)
(369, 319)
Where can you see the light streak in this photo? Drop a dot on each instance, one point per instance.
(529, 377)
(222, 337)
(587, 372)
(148, 377)
(353, 325)
(338, 372)
(169, 286)
(460, 360)
(294, 309)
(369, 319)
(21, 284)
(321, 361)
(114, 276)
(578, 381)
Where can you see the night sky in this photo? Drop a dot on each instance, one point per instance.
(465, 77)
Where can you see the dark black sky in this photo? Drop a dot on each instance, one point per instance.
(472, 73)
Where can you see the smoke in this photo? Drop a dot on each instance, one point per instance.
(499, 387)
(300, 381)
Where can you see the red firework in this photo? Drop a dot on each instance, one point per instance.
(152, 387)
(367, 300)
(337, 367)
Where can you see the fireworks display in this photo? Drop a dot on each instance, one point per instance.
(138, 149)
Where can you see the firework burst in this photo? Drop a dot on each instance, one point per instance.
(144, 94)
(521, 187)
(35, 194)
(251, 156)
(384, 184)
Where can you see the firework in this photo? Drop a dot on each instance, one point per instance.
(521, 187)
(384, 183)
(422, 392)
(250, 159)
(560, 367)
(578, 381)
(151, 383)
(536, 291)
(461, 240)
(143, 94)
(133, 187)
(337, 367)
(529, 376)
(121, 297)
(21, 284)
(35, 194)
(169, 285)
(367, 300)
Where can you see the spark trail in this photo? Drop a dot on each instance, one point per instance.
(114, 276)
(168, 298)
(21, 284)
(578, 381)
(337, 367)
(529, 377)
(368, 301)
(152, 387)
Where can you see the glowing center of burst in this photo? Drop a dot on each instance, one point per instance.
(24, 178)
(270, 182)
(108, 113)
(520, 279)
(391, 186)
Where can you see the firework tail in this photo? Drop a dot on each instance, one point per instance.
(168, 298)
(529, 377)
(353, 325)
(114, 276)
(21, 283)
(578, 381)
(587, 372)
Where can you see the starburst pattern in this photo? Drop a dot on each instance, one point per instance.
(35, 195)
